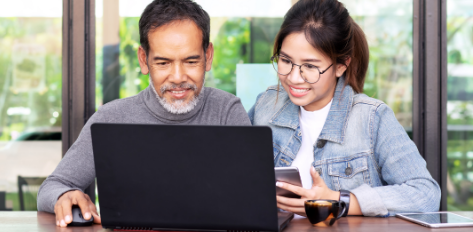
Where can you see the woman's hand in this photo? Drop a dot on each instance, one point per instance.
(319, 190)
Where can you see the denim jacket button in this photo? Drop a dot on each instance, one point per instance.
(348, 171)
(300, 133)
(321, 143)
(319, 171)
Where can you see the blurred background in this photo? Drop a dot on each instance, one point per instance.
(243, 34)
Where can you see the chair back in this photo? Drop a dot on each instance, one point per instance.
(28, 191)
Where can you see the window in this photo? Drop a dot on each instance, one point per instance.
(388, 29)
(241, 31)
(460, 105)
(30, 97)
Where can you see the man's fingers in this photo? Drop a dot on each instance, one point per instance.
(93, 210)
(59, 216)
(83, 203)
(97, 219)
(66, 206)
(295, 189)
(291, 202)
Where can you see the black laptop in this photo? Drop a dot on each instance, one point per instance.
(168, 177)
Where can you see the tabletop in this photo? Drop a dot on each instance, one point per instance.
(14, 221)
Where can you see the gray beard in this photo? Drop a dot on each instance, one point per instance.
(177, 106)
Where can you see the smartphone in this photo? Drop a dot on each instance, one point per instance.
(289, 175)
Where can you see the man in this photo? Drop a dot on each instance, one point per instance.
(176, 52)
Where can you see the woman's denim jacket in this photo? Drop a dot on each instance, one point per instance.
(387, 176)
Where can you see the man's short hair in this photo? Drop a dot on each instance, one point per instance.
(162, 12)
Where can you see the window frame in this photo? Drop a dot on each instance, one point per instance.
(429, 80)
(78, 71)
(430, 88)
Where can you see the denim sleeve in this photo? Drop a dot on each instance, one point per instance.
(408, 185)
(251, 112)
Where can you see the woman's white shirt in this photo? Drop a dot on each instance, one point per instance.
(311, 123)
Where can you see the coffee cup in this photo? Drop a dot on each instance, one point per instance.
(324, 212)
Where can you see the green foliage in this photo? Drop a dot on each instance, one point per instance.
(231, 48)
(129, 65)
(460, 112)
(133, 81)
(41, 32)
(389, 76)
(263, 34)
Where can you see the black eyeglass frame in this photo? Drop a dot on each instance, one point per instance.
(300, 69)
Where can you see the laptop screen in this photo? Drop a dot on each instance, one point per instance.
(185, 177)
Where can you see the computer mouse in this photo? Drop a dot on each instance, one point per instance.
(78, 219)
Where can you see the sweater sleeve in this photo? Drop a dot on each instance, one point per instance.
(409, 186)
(76, 170)
(237, 115)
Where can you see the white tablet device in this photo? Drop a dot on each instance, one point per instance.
(437, 219)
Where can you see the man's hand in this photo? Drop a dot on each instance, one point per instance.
(319, 190)
(64, 205)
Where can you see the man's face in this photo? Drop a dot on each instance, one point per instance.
(176, 64)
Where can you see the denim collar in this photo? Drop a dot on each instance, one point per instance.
(335, 125)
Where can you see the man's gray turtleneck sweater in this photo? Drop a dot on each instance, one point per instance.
(76, 170)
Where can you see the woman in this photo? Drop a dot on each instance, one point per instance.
(346, 145)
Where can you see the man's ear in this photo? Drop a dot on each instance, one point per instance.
(143, 61)
(209, 57)
(342, 68)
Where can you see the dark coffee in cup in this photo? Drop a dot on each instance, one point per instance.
(324, 212)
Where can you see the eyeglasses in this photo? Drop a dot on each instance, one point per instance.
(310, 73)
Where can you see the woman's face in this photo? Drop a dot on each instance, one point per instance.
(312, 97)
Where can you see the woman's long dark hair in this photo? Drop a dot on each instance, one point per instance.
(329, 28)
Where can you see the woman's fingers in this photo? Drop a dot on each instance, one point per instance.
(288, 208)
(295, 189)
(291, 202)
(297, 210)
(316, 178)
